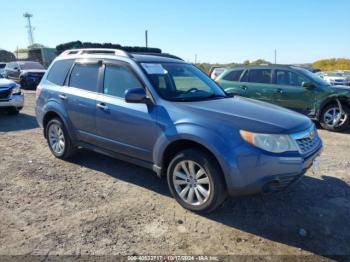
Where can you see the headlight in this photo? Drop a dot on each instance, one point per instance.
(270, 142)
(16, 90)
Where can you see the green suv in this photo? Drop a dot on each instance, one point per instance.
(294, 88)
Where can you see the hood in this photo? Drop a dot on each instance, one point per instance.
(5, 83)
(248, 114)
(33, 71)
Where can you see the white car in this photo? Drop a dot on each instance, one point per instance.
(214, 72)
(335, 79)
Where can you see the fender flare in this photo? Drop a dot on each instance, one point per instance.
(220, 149)
(334, 98)
(55, 107)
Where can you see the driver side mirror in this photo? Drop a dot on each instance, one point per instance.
(308, 85)
(16, 69)
(136, 95)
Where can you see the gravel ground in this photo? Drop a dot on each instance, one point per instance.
(97, 205)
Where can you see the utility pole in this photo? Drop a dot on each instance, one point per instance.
(146, 37)
(195, 58)
(275, 56)
(28, 16)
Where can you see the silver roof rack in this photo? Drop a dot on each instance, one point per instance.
(95, 51)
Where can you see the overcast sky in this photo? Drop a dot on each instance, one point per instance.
(217, 31)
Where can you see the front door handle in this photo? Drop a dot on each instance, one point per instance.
(102, 106)
(63, 96)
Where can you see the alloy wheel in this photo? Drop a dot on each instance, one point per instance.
(334, 117)
(191, 182)
(56, 139)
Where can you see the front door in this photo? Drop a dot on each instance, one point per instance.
(127, 128)
(290, 93)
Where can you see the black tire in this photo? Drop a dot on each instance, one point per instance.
(69, 148)
(23, 83)
(340, 128)
(13, 111)
(217, 190)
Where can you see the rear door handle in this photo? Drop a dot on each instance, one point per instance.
(102, 106)
(279, 91)
(63, 97)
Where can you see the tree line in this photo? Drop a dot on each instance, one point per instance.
(332, 64)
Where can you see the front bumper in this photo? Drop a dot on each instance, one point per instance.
(14, 101)
(263, 173)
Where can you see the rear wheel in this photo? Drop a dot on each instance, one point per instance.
(333, 119)
(23, 83)
(58, 139)
(196, 181)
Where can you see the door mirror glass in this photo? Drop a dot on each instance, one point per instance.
(308, 85)
(135, 95)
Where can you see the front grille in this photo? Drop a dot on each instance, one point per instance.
(308, 143)
(5, 94)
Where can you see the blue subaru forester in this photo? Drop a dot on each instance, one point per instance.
(167, 115)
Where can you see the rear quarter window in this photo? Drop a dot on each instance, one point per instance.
(59, 71)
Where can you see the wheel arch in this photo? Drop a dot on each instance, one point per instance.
(51, 113)
(332, 100)
(179, 145)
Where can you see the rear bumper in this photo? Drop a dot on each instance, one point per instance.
(15, 101)
(32, 82)
(269, 174)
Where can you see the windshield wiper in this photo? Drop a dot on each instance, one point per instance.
(214, 96)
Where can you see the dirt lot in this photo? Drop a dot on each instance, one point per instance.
(97, 205)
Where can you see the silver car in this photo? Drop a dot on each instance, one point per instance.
(2, 68)
(11, 96)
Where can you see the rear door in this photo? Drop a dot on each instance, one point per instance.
(290, 93)
(257, 84)
(230, 82)
(126, 128)
(80, 98)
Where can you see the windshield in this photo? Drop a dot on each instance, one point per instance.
(314, 77)
(181, 82)
(31, 65)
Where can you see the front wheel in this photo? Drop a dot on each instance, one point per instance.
(196, 181)
(333, 119)
(58, 139)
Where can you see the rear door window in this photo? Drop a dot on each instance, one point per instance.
(59, 71)
(262, 76)
(85, 76)
(233, 75)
